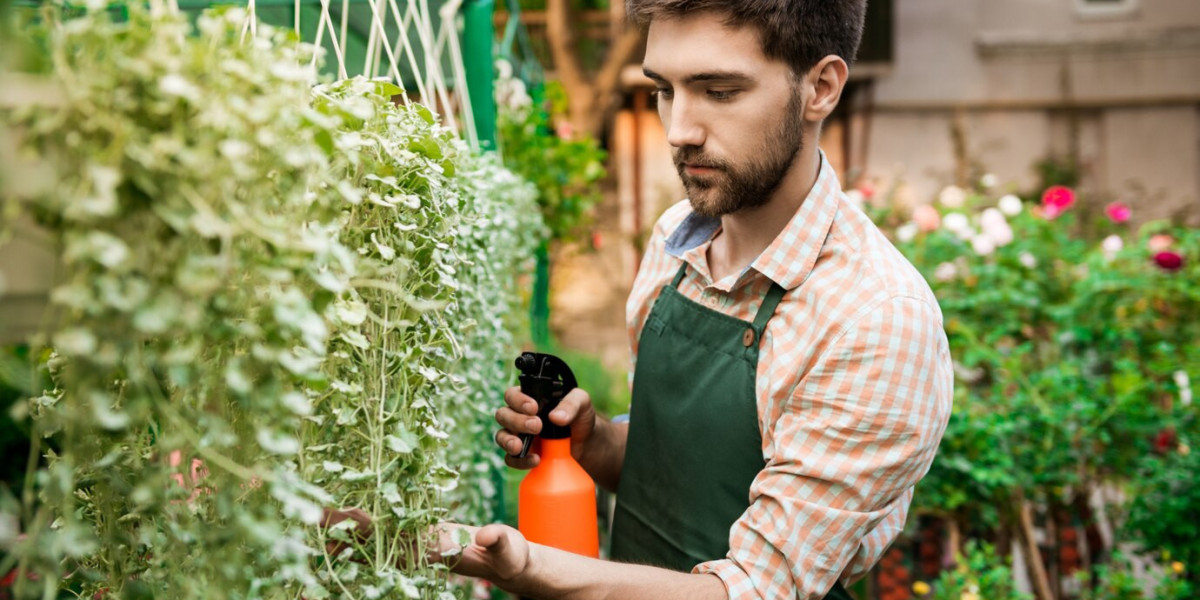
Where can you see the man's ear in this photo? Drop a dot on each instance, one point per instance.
(826, 80)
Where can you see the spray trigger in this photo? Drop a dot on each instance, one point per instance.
(546, 379)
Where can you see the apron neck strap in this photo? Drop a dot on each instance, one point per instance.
(768, 307)
(770, 302)
(679, 275)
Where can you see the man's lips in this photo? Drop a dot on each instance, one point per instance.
(699, 169)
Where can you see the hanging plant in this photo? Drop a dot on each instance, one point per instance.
(276, 299)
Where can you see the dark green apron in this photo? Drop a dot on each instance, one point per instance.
(694, 444)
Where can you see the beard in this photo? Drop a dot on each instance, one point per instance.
(750, 184)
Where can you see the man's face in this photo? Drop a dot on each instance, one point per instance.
(732, 115)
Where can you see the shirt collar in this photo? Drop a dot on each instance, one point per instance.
(792, 254)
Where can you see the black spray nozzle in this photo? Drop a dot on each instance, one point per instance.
(546, 379)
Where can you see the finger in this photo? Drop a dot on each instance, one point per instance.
(530, 461)
(520, 402)
(516, 422)
(492, 537)
(362, 520)
(576, 406)
(508, 442)
(506, 547)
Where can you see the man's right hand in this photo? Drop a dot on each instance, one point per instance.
(519, 416)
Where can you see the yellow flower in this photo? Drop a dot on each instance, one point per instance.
(921, 588)
(1177, 567)
(969, 595)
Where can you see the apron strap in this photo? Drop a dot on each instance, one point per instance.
(679, 275)
(770, 302)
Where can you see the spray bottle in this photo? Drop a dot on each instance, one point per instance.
(557, 503)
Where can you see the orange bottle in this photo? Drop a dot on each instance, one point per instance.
(557, 501)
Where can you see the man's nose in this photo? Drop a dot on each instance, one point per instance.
(683, 126)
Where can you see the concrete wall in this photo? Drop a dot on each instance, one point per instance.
(1024, 79)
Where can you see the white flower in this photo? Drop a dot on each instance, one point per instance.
(956, 222)
(945, 272)
(952, 197)
(1027, 260)
(75, 342)
(1111, 246)
(988, 181)
(983, 245)
(995, 226)
(176, 85)
(1010, 205)
(906, 232)
(1185, 387)
(504, 69)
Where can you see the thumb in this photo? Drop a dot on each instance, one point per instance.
(506, 548)
(575, 410)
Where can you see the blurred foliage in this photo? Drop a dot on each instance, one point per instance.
(979, 574)
(1163, 514)
(537, 143)
(1074, 343)
(1116, 581)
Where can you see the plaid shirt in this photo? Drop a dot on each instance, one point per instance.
(854, 388)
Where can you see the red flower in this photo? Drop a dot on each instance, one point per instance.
(1117, 212)
(1165, 440)
(868, 190)
(1056, 200)
(1168, 261)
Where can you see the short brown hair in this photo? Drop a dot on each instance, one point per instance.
(798, 32)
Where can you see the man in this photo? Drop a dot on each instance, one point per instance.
(792, 379)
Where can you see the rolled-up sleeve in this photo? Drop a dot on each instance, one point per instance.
(861, 429)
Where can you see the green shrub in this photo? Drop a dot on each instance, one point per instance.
(980, 574)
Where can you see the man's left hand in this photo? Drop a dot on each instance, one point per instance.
(497, 553)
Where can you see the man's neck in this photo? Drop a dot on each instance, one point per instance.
(745, 234)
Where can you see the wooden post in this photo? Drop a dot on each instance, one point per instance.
(1033, 555)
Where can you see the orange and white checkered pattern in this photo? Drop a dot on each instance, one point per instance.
(854, 388)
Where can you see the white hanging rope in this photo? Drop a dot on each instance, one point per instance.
(383, 55)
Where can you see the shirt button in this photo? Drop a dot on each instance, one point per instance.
(748, 338)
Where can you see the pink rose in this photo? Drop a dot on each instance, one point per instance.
(1117, 212)
(1056, 200)
(1168, 261)
(1160, 242)
(927, 218)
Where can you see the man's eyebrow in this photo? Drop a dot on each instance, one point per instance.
(723, 76)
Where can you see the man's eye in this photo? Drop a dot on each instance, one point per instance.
(664, 93)
(722, 95)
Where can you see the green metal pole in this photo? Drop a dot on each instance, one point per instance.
(478, 41)
(478, 59)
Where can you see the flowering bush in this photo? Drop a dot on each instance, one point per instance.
(979, 574)
(538, 144)
(1073, 342)
(1117, 582)
(275, 298)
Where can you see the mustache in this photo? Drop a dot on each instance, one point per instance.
(695, 156)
